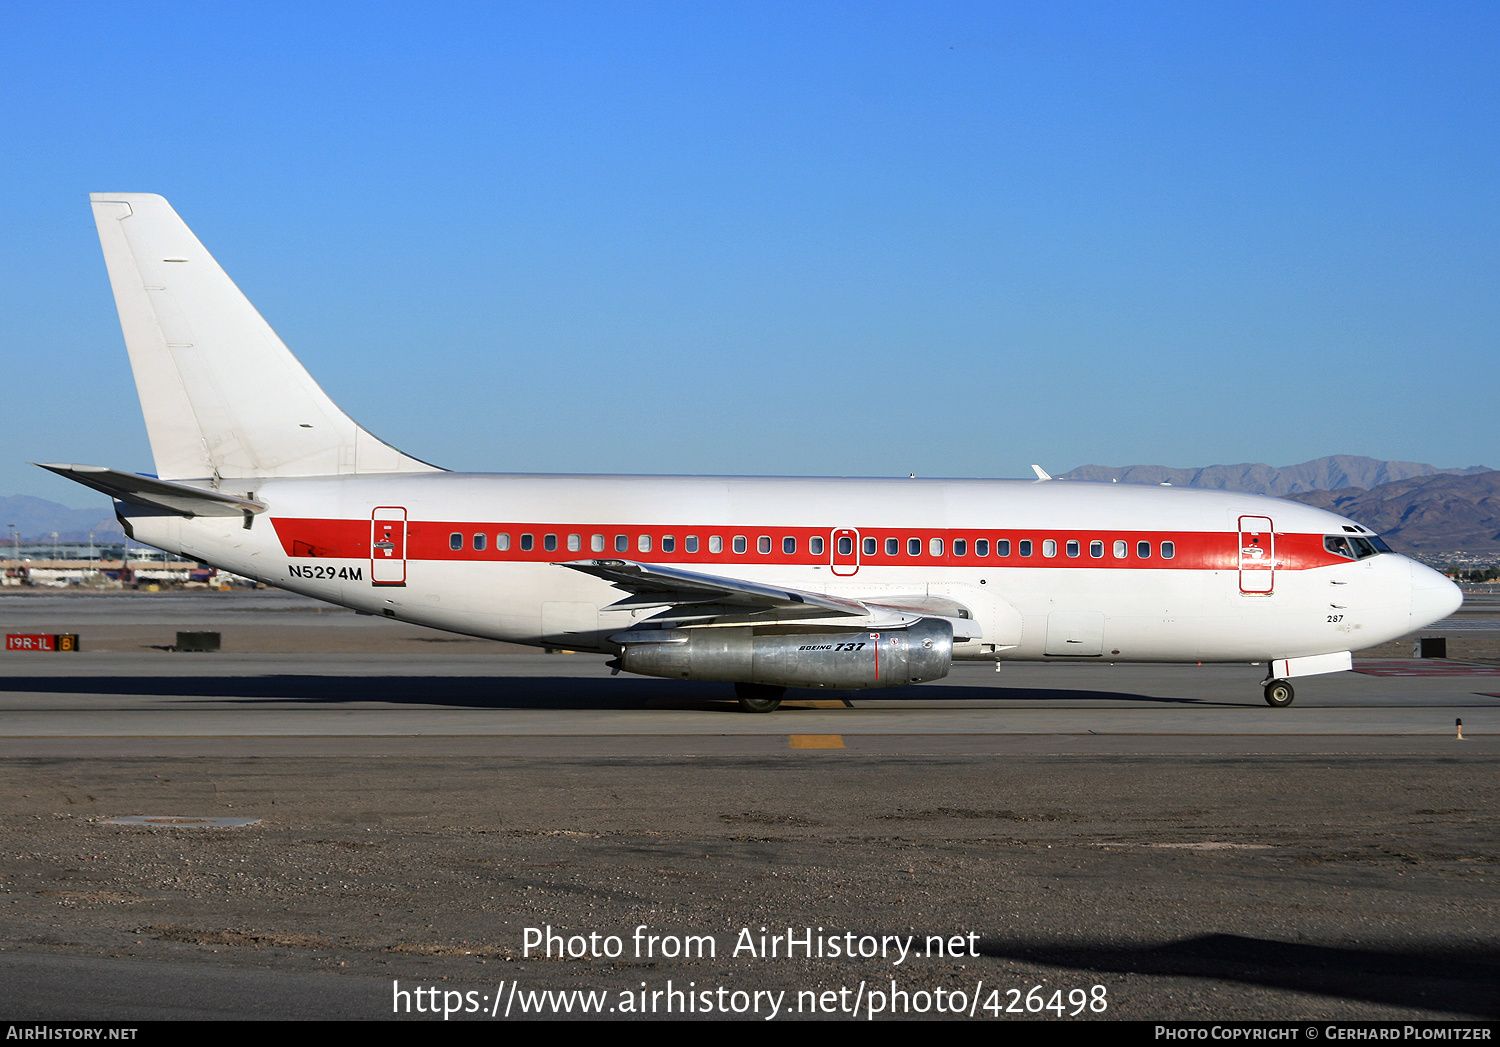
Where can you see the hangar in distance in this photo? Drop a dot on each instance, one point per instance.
(765, 583)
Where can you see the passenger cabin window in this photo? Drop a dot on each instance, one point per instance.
(1096, 549)
(1002, 548)
(1168, 550)
(935, 546)
(763, 544)
(715, 544)
(549, 543)
(1122, 550)
(526, 543)
(981, 547)
(1049, 547)
(622, 543)
(575, 543)
(668, 543)
(1143, 550)
(914, 547)
(479, 543)
(893, 547)
(846, 545)
(455, 541)
(739, 543)
(502, 542)
(789, 546)
(1072, 547)
(596, 543)
(960, 547)
(870, 546)
(815, 546)
(1025, 547)
(643, 543)
(690, 543)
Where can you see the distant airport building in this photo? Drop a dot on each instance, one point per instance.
(113, 573)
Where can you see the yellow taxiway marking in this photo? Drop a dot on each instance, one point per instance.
(817, 741)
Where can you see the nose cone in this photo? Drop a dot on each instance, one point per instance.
(1433, 597)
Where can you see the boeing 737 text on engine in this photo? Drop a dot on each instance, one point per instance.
(765, 583)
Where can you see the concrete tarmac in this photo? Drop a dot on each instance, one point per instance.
(1157, 831)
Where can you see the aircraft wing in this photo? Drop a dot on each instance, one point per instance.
(688, 594)
(653, 585)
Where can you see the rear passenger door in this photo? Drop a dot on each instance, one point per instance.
(388, 545)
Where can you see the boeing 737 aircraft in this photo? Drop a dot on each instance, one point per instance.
(765, 583)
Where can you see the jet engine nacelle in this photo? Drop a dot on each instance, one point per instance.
(786, 658)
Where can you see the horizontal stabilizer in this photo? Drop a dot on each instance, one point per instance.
(158, 494)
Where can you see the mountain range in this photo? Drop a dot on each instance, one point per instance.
(37, 518)
(1423, 510)
(1434, 517)
(1334, 473)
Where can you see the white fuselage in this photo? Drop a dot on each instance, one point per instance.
(1115, 572)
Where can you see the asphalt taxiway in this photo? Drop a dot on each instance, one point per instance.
(366, 703)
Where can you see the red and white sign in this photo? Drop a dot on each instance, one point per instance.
(41, 642)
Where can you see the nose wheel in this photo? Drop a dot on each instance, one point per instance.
(1279, 694)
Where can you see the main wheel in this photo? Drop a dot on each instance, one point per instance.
(759, 697)
(1279, 694)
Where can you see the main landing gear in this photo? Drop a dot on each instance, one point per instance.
(1279, 694)
(759, 697)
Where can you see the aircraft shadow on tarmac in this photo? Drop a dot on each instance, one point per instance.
(532, 692)
(1452, 980)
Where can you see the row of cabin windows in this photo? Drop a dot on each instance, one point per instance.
(643, 543)
(1120, 549)
(1024, 547)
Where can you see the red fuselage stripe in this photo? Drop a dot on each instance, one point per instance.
(428, 540)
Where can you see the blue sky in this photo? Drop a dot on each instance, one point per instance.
(845, 239)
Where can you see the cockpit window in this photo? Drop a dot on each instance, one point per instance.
(1354, 547)
(1379, 544)
(1338, 545)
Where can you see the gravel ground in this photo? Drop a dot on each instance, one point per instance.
(1190, 887)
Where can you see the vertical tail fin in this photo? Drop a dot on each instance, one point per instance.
(222, 394)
